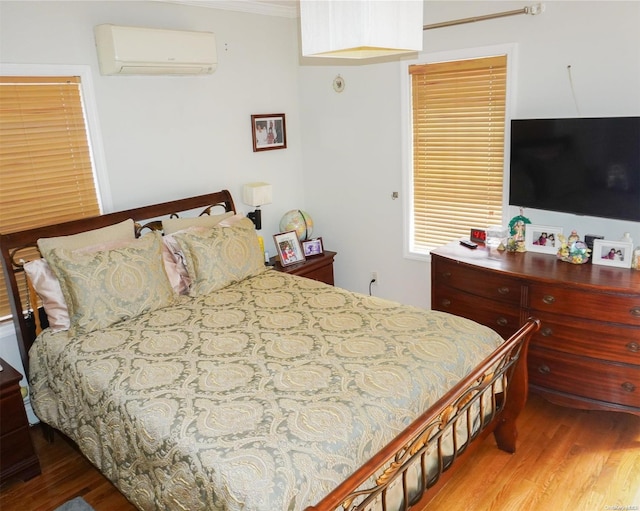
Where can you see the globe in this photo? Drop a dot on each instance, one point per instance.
(299, 221)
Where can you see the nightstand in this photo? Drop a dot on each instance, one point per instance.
(319, 267)
(17, 457)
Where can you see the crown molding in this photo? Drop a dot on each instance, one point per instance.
(282, 8)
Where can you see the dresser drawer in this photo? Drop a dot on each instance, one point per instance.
(477, 281)
(608, 342)
(613, 383)
(503, 319)
(613, 308)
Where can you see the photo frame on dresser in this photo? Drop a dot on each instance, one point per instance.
(612, 253)
(312, 247)
(289, 248)
(542, 238)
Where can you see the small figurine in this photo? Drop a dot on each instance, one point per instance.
(572, 250)
(573, 237)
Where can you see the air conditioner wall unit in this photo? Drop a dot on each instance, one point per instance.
(151, 51)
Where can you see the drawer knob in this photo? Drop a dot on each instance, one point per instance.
(445, 302)
(446, 274)
(548, 299)
(502, 321)
(627, 386)
(544, 369)
(635, 312)
(633, 347)
(504, 290)
(546, 332)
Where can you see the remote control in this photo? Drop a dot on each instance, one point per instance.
(468, 244)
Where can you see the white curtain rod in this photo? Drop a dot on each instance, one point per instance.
(533, 10)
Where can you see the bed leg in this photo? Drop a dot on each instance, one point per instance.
(47, 432)
(506, 432)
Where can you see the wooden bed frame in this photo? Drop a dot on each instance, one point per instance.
(404, 460)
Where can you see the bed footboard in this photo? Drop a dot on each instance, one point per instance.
(410, 470)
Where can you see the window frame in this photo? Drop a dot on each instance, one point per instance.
(510, 50)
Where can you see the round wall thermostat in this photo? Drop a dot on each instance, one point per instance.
(338, 83)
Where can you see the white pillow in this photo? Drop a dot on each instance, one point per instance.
(173, 225)
(122, 231)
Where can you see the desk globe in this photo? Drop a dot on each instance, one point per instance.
(299, 221)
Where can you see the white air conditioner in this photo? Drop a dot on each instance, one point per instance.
(151, 51)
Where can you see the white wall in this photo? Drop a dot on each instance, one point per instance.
(352, 144)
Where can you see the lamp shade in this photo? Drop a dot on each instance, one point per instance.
(256, 194)
(357, 29)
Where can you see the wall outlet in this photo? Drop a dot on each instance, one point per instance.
(374, 277)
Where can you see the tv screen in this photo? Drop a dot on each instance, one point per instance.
(585, 166)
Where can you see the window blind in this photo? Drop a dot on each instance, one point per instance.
(458, 110)
(46, 171)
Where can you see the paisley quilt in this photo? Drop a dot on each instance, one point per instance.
(260, 396)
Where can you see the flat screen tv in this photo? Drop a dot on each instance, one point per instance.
(585, 166)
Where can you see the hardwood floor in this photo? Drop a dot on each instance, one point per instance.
(566, 460)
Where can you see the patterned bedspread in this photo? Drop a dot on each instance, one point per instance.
(262, 396)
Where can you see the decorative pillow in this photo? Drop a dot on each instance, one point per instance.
(176, 272)
(123, 231)
(106, 287)
(174, 257)
(221, 256)
(48, 289)
(173, 225)
(175, 265)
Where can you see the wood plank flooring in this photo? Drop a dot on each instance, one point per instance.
(566, 460)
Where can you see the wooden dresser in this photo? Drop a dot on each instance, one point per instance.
(587, 351)
(18, 458)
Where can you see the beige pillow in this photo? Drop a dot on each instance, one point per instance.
(173, 225)
(221, 256)
(123, 231)
(47, 287)
(109, 286)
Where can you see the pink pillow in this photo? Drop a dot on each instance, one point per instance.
(48, 289)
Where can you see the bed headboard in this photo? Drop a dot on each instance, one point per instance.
(13, 246)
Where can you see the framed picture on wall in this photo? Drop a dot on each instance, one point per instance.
(268, 132)
(289, 248)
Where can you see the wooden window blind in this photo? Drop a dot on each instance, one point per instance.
(458, 123)
(46, 170)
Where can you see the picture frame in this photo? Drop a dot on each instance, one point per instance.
(289, 248)
(312, 247)
(268, 132)
(612, 253)
(542, 238)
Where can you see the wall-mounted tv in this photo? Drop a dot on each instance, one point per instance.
(585, 166)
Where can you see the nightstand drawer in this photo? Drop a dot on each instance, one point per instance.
(12, 414)
(319, 267)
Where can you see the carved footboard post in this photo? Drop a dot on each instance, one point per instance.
(506, 432)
